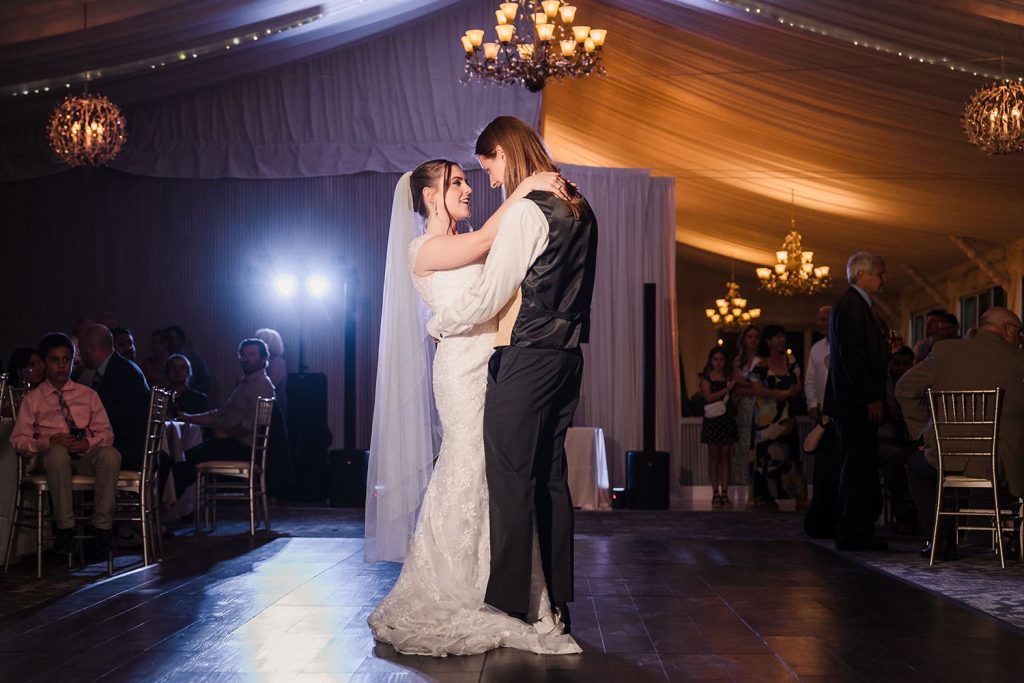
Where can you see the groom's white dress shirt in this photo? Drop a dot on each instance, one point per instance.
(522, 237)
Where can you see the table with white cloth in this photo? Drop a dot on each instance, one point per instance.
(178, 438)
(588, 468)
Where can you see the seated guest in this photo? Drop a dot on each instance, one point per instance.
(153, 364)
(25, 368)
(123, 390)
(124, 342)
(894, 443)
(201, 380)
(990, 359)
(949, 327)
(184, 399)
(931, 332)
(233, 424)
(277, 368)
(64, 427)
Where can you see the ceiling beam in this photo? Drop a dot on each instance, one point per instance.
(928, 287)
(982, 262)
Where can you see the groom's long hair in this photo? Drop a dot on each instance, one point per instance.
(525, 154)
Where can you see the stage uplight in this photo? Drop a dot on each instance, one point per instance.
(317, 286)
(285, 285)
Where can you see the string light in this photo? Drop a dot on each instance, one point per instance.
(161, 61)
(806, 24)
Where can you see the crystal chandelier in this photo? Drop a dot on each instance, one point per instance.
(537, 41)
(992, 119)
(86, 130)
(794, 271)
(730, 312)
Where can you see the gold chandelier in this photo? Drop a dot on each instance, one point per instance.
(537, 41)
(730, 312)
(86, 130)
(992, 119)
(794, 271)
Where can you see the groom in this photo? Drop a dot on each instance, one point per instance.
(538, 281)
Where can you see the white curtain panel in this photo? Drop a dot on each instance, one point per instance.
(635, 214)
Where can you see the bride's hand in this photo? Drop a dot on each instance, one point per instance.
(547, 181)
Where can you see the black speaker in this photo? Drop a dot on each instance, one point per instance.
(307, 416)
(348, 478)
(647, 480)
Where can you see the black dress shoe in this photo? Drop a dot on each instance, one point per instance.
(861, 544)
(63, 542)
(926, 550)
(562, 610)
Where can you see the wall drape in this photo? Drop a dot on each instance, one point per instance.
(202, 253)
(636, 221)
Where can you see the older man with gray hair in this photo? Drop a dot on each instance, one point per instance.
(855, 400)
(992, 358)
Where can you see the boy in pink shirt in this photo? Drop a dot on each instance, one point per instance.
(62, 425)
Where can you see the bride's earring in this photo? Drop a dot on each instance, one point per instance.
(434, 206)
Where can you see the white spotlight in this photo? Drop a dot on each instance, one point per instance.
(285, 285)
(316, 286)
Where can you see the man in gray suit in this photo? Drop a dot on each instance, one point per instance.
(993, 358)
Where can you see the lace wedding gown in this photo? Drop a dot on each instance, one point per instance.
(437, 605)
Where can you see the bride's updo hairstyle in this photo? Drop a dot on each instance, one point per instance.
(427, 175)
(525, 154)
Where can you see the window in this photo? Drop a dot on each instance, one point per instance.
(917, 330)
(972, 307)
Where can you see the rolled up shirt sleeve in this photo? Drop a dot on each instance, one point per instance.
(522, 237)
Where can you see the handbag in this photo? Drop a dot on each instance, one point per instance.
(716, 408)
(813, 438)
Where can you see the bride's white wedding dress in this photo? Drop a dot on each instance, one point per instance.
(437, 605)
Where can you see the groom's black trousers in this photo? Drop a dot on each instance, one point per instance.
(531, 397)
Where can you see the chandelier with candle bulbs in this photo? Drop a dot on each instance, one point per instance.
(730, 313)
(992, 119)
(536, 41)
(86, 129)
(794, 271)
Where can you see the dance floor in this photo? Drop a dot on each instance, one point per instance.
(660, 596)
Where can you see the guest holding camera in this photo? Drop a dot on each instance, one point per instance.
(63, 426)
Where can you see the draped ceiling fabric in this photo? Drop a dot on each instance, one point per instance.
(741, 110)
(383, 104)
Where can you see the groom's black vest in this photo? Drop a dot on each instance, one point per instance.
(555, 312)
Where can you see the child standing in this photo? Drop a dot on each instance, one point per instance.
(718, 430)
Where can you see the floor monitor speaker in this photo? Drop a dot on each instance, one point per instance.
(647, 480)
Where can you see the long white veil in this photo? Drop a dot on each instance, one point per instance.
(405, 425)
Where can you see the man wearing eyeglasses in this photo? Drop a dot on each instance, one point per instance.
(990, 359)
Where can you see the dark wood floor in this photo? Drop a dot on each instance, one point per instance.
(651, 606)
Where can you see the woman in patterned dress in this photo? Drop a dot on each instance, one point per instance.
(776, 378)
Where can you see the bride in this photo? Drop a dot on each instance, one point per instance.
(437, 605)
